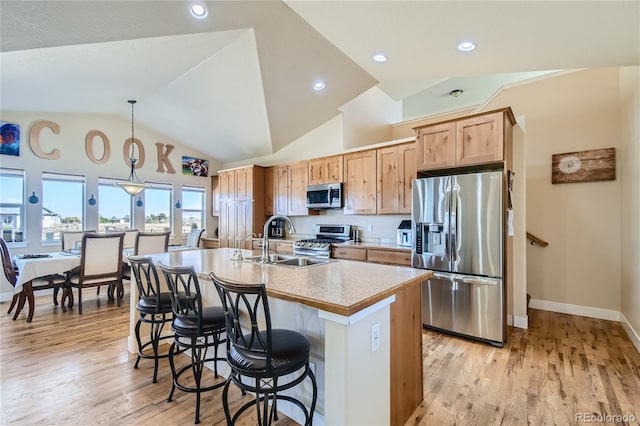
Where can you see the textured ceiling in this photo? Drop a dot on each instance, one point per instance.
(237, 84)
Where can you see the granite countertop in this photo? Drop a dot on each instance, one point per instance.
(342, 287)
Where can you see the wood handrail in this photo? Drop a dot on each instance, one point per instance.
(535, 240)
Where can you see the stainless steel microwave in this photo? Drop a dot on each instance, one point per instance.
(325, 196)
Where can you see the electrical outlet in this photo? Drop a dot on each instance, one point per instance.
(375, 337)
(370, 227)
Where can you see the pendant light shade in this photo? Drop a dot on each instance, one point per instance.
(132, 186)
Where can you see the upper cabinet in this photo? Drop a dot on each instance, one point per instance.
(474, 140)
(286, 189)
(396, 169)
(241, 204)
(326, 170)
(360, 182)
(215, 196)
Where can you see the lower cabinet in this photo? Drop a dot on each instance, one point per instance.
(372, 255)
(210, 243)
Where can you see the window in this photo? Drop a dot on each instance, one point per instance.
(11, 201)
(157, 208)
(114, 207)
(62, 204)
(192, 209)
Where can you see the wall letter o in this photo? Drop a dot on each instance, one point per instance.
(88, 146)
(126, 152)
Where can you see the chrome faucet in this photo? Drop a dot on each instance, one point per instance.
(237, 253)
(265, 243)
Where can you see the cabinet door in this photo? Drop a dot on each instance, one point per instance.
(402, 258)
(480, 139)
(350, 253)
(388, 185)
(226, 223)
(316, 171)
(298, 177)
(360, 180)
(215, 196)
(407, 172)
(436, 146)
(269, 191)
(333, 167)
(244, 184)
(244, 222)
(227, 183)
(281, 195)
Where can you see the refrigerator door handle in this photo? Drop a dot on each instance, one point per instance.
(453, 226)
(480, 280)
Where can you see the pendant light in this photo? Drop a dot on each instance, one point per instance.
(133, 185)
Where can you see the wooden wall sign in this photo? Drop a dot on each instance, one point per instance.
(584, 166)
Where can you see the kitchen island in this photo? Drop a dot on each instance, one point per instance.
(364, 376)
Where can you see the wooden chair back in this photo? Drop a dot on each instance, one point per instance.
(10, 272)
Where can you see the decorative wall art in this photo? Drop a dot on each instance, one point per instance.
(9, 138)
(584, 166)
(195, 166)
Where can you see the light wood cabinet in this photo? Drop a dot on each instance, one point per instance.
(215, 196)
(326, 170)
(396, 171)
(283, 246)
(242, 209)
(473, 140)
(298, 178)
(269, 191)
(391, 257)
(210, 243)
(289, 186)
(349, 253)
(372, 255)
(360, 182)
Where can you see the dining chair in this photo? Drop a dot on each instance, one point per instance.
(270, 360)
(128, 242)
(70, 238)
(54, 281)
(151, 242)
(196, 329)
(193, 240)
(100, 264)
(154, 307)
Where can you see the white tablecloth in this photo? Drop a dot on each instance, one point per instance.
(30, 269)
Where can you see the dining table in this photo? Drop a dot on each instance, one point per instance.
(34, 266)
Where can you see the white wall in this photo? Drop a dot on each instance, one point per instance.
(630, 211)
(581, 266)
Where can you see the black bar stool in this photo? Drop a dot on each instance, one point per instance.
(261, 354)
(197, 328)
(154, 307)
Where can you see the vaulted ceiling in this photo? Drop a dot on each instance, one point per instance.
(238, 84)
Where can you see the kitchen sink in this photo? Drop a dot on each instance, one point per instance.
(301, 262)
(289, 261)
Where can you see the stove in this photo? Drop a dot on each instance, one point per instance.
(320, 246)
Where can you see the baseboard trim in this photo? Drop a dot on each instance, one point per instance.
(634, 336)
(521, 322)
(567, 308)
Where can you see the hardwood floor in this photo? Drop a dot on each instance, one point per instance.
(561, 368)
(67, 369)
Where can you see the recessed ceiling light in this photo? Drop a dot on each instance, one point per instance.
(380, 57)
(466, 46)
(199, 10)
(319, 85)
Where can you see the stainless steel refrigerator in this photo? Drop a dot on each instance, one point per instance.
(458, 225)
